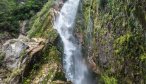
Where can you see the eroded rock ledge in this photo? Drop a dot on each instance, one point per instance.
(16, 54)
(20, 56)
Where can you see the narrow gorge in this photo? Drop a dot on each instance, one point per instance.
(72, 42)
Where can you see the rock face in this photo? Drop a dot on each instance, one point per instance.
(111, 34)
(21, 56)
(13, 50)
(117, 39)
(17, 54)
(35, 59)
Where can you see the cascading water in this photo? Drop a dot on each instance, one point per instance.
(75, 68)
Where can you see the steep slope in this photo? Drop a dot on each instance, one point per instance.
(112, 34)
(118, 39)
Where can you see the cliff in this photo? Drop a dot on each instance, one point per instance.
(112, 35)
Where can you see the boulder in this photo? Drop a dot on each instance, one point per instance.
(13, 50)
(17, 54)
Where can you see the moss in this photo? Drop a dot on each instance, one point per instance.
(41, 24)
(121, 41)
(109, 80)
(119, 37)
(50, 62)
(124, 38)
(143, 57)
(52, 55)
(13, 76)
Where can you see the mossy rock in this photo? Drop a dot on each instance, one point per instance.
(41, 25)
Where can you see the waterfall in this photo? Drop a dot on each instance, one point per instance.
(75, 68)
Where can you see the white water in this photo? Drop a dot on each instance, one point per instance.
(75, 69)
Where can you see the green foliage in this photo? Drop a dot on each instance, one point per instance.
(28, 9)
(122, 41)
(122, 22)
(7, 22)
(41, 25)
(109, 80)
(12, 12)
(51, 55)
(123, 38)
(143, 57)
(50, 58)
